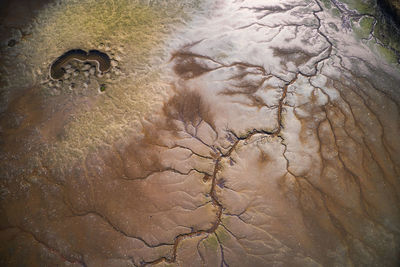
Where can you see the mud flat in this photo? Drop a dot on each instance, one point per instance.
(260, 133)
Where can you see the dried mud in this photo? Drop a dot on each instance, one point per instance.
(258, 134)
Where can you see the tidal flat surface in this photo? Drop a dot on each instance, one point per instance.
(223, 133)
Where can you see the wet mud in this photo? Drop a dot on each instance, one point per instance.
(253, 134)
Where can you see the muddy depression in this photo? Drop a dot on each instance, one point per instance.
(199, 133)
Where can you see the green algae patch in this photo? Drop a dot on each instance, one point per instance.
(327, 4)
(364, 27)
(102, 88)
(362, 6)
(388, 54)
(366, 24)
(384, 29)
(211, 242)
(222, 234)
(388, 34)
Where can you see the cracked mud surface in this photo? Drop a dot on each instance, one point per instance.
(244, 133)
